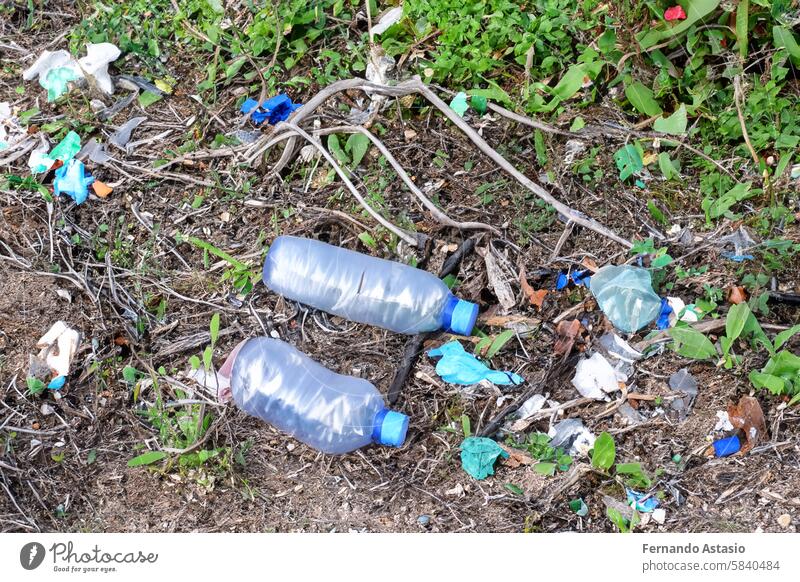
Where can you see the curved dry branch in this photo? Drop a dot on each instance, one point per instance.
(415, 85)
(434, 210)
(292, 130)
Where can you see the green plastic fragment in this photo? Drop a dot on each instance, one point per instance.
(68, 148)
(579, 507)
(478, 456)
(57, 80)
(459, 104)
(478, 103)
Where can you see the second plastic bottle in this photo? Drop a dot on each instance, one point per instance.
(365, 289)
(333, 413)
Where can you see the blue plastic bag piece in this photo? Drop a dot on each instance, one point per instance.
(663, 318)
(57, 383)
(71, 179)
(562, 281)
(639, 503)
(727, 447)
(626, 296)
(275, 109)
(738, 258)
(459, 367)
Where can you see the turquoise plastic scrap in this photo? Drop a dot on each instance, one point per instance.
(71, 179)
(57, 80)
(459, 104)
(67, 148)
(626, 296)
(641, 501)
(478, 456)
(459, 367)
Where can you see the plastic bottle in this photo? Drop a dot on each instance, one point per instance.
(626, 296)
(333, 413)
(364, 289)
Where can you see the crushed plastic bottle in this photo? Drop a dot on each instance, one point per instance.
(333, 413)
(365, 289)
(626, 296)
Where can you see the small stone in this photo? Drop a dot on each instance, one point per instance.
(423, 520)
(785, 521)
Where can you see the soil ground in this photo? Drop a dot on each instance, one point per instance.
(63, 463)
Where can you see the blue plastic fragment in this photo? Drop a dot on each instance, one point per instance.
(71, 179)
(639, 503)
(57, 383)
(663, 317)
(577, 277)
(728, 446)
(738, 258)
(459, 367)
(581, 277)
(275, 109)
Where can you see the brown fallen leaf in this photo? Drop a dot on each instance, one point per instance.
(535, 297)
(589, 264)
(515, 457)
(736, 295)
(101, 188)
(567, 332)
(748, 416)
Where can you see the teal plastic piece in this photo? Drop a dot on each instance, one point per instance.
(626, 296)
(67, 148)
(459, 367)
(478, 456)
(57, 80)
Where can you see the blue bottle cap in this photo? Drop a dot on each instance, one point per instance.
(463, 315)
(727, 447)
(390, 428)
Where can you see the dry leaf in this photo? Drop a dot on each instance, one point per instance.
(101, 188)
(749, 418)
(535, 297)
(567, 332)
(589, 264)
(736, 295)
(497, 282)
(516, 457)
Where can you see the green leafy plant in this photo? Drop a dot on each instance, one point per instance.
(604, 452)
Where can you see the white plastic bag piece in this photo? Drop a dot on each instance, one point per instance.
(58, 347)
(389, 18)
(687, 313)
(95, 64)
(49, 60)
(595, 377)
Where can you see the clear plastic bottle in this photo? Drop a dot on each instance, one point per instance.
(626, 296)
(333, 413)
(365, 289)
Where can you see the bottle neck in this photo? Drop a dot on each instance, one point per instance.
(377, 424)
(447, 312)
